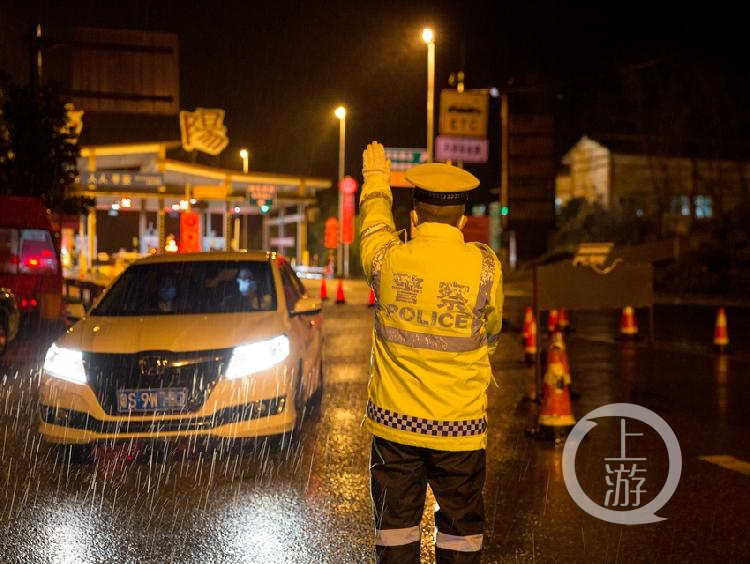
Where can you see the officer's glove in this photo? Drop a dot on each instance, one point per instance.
(374, 162)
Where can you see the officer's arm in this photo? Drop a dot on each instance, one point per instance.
(378, 228)
(494, 311)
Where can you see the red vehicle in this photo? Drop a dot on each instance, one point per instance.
(29, 258)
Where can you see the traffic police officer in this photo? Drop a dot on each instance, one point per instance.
(437, 323)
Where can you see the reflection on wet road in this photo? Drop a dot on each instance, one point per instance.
(307, 500)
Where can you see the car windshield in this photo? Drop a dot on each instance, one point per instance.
(191, 287)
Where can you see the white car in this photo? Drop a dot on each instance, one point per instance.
(227, 345)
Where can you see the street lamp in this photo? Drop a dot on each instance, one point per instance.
(340, 113)
(245, 155)
(428, 36)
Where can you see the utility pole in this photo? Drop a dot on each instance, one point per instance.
(504, 160)
(458, 79)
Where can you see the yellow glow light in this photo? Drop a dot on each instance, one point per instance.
(428, 36)
(340, 112)
(243, 153)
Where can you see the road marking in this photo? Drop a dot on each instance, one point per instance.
(728, 462)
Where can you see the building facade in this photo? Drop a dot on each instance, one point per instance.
(675, 192)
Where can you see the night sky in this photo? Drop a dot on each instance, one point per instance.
(279, 68)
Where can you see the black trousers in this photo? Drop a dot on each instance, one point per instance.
(399, 475)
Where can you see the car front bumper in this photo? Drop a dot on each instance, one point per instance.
(254, 406)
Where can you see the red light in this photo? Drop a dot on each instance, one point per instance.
(46, 253)
(33, 302)
(24, 302)
(348, 185)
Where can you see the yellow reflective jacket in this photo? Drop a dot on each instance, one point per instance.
(438, 318)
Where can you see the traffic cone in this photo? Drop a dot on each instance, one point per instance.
(553, 318)
(559, 341)
(527, 317)
(340, 293)
(530, 342)
(371, 299)
(564, 323)
(556, 415)
(323, 290)
(721, 333)
(628, 324)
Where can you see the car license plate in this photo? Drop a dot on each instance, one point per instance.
(154, 399)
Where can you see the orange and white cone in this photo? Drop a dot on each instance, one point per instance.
(530, 342)
(528, 317)
(721, 332)
(553, 318)
(323, 290)
(556, 416)
(340, 299)
(563, 322)
(559, 342)
(628, 324)
(371, 299)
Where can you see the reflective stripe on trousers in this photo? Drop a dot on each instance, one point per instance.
(468, 543)
(397, 537)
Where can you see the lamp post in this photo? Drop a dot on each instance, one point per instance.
(428, 36)
(340, 113)
(245, 155)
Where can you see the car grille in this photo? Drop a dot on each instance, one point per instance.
(197, 371)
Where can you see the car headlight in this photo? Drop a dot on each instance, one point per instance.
(66, 364)
(255, 357)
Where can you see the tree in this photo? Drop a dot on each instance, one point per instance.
(581, 221)
(37, 149)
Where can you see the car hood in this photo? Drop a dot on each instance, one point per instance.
(177, 333)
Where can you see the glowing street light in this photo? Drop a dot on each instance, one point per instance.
(245, 155)
(428, 36)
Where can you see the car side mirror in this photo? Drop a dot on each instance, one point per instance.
(306, 306)
(74, 312)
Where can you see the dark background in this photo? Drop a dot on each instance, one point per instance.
(652, 76)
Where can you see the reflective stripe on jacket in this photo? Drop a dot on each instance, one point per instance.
(438, 318)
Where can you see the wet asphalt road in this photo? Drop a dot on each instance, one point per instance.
(308, 500)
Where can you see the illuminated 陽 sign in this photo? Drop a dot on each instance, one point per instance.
(203, 130)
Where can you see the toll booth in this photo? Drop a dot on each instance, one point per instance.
(143, 181)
